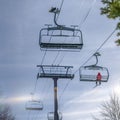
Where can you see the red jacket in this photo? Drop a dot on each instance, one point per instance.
(99, 76)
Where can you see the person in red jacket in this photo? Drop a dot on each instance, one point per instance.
(98, 78)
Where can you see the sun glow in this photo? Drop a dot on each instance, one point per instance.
(18, 99)
(21, 98)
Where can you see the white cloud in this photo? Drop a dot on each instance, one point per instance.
(93, 96)
(20, 52)
(116, 87)
(82, 112)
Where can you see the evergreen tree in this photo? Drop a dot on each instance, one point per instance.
(112, 11)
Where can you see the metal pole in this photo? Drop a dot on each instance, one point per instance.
(56, 116)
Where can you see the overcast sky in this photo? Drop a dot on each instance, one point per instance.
(20, 23)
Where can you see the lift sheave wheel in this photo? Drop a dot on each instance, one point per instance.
(50, 116)
(34, 105)
(53, 71)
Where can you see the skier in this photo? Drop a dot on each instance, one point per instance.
(98, 78)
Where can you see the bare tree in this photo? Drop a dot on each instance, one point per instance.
(110, 110)
(5, 112)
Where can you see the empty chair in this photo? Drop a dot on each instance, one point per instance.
(34, 105)
(60, 37)
(53, 71)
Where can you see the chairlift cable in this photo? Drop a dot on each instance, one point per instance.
(106, 40)
(61, 59)
(60, 8)
(46, 49)
(56, 57)
(52, 33)
(44, 95)
(89, 59)
(57, 18)
(35, 86)
(85, 62)
(64, 89)
(91, 56)
(82, 22)
(59, 50)
(86, 16)
(44, 56)
(49, 87)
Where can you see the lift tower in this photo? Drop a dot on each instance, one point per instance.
(55, 72)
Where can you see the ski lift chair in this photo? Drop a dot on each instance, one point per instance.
(54, 71)
(89, 73)
(60, 37)
(34, 105)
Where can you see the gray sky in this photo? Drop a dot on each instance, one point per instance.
(20, 23)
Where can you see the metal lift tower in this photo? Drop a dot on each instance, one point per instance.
(55, 72)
